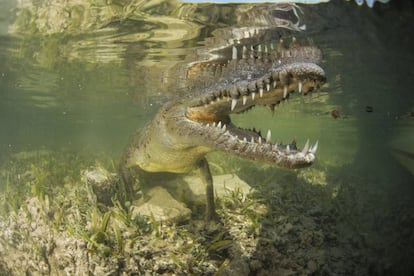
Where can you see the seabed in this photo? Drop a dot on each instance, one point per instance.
(53, 221)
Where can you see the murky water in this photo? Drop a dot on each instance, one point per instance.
(85, 82)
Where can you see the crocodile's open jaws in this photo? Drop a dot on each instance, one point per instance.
(211, 119)
(184, 130)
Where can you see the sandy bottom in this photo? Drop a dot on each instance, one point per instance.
(294, 224)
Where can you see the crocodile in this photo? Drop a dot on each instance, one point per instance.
(185, 129)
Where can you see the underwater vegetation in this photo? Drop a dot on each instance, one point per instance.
(50, 223)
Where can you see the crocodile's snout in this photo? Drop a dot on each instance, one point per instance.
(288, 71)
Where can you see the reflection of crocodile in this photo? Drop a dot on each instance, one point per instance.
(186, 129)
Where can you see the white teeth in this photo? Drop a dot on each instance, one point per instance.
(244, 100)
(244, 139)
(274, 84)
(214, 124)
(234, 56)
(267, 87)
(285, 91)
(253, 95)
(261, 92)
(260, 140)
(306, 147)
(314, 148)
(300, 87)
(269, 137)
(233, 104)
(219, 124)
(224, 127)
(252, 140)
(287, 148)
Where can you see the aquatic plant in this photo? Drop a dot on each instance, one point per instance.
(222, 267)
(40, 183)
(155, 226)
(96, 235)
(138, 223)
(10, 198)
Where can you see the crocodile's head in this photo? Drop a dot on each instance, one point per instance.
(254, 77)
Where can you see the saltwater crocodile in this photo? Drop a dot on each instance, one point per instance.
(186, 129)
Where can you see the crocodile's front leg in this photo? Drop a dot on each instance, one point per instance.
(207, 180)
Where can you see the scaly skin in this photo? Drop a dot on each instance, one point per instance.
(185, 130)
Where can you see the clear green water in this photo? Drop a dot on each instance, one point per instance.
(86, 84)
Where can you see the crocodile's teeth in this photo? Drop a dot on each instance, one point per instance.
(300, 87)
(244, 139)
(288, 148)
(219, 124)
(267, 87)
(285, 91)
(274, 84)
(234, 56)
(261, 92)
(244, 100)
(253, 95)
(260, 140)
(214, 124)
(269, 137)
(306, 147)
(224, 127)
(252, 140)
(233, 104)
(314, 148)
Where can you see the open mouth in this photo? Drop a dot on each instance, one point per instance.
(269, 89)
